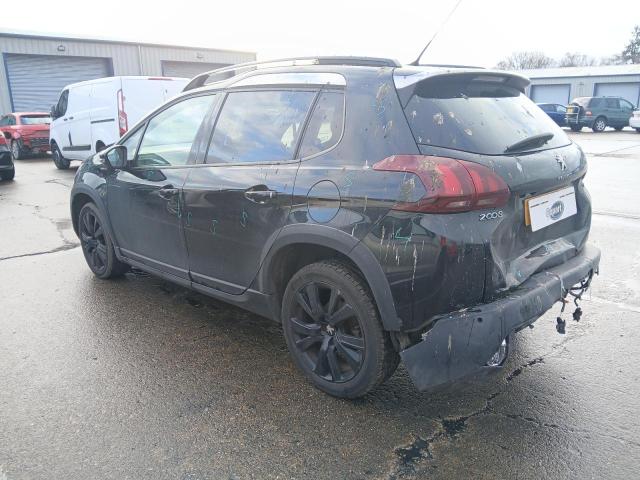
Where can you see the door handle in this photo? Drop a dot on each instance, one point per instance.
(65, 119)
(167, 192)
(70, 118)
(260, 194)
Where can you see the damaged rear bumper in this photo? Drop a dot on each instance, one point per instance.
(460, 344)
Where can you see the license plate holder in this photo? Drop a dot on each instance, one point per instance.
(549, 208)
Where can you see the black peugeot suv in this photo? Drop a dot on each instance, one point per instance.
(379, 212)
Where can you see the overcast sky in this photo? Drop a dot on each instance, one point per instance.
(481, 32)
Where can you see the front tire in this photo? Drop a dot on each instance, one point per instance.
(61, 162)
(16, 151)
(575, 128)
(97, 245)
(333, 330)
(599, 125)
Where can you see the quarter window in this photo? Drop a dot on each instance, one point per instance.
(261, 126)
(325, 126)
(131, 143)
(170, 134)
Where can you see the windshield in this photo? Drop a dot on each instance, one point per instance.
(477, 117)
(35, 119)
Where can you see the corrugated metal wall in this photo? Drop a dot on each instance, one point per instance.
(583, 86)
(127, 59)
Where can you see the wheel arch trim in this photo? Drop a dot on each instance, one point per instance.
(347, 245)
(81, 189)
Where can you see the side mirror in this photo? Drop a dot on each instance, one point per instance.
(54, 112)
(115, 157)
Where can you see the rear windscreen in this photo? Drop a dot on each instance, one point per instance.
(478, 117)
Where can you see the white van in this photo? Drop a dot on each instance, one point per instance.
(92, 115)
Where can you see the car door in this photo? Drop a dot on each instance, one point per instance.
(626, 111)
(76, 122)
(239, 199)
(144, 199)
(612, 111)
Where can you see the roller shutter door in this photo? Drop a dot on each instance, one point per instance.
(551, 94)
(629, 91)
(188, 69)
(35, 81)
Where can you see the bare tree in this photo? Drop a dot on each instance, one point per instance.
(525, 60)
(577, 60)
(631, 53)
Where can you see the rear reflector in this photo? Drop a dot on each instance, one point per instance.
(451, 185)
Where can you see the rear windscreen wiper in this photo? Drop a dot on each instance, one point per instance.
(530, 142)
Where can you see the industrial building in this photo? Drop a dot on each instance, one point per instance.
(561, 85)
(35, 68)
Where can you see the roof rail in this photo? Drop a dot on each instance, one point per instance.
(233, 70)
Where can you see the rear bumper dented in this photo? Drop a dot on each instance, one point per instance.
(460, 344)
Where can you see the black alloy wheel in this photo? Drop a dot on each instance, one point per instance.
(97, 245)
(94, 244)
(327, 332)
(334, 332)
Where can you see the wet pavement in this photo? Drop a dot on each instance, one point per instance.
(140, 379)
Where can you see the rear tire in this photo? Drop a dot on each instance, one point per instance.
(60, 162)
(333, 330)
(575, 128)
(97, 245)
(617, 129)
(638, 130)
(599, 125)
(8, 174)
(16, 151)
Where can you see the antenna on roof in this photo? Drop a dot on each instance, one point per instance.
(417, 60)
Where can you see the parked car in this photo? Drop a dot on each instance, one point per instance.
(557, 112)
(7, 168)
(634, 121)
(94, 114)
(599, 113)
(27, 133)
(378, 211)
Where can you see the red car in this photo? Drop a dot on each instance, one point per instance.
(27, 133)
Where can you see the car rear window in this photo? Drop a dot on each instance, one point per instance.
(476, 116)
(35, 119)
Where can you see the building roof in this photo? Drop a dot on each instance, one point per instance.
(599, 71)
(81, 38)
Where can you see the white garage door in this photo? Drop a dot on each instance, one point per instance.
(630, 91)
(188, 69)
(550, 94)
(35, 81)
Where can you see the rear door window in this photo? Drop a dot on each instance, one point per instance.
(259, 126)
(325, 125)
(612, 103)
(476, 116)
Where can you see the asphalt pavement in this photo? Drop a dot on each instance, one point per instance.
(140, 379)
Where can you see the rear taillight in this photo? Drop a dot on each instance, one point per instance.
(122, 116)
(450, 185)
(588, 113)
